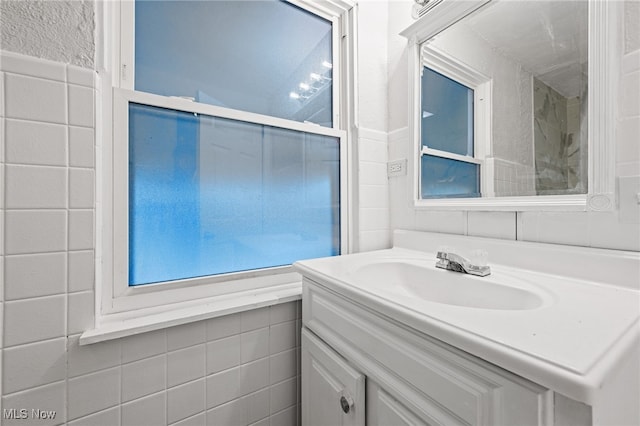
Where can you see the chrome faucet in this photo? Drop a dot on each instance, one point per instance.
(457, 263)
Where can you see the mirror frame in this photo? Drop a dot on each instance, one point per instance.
(603, 68)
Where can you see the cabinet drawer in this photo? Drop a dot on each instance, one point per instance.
(458, 387)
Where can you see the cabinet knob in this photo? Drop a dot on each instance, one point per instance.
(346, 403)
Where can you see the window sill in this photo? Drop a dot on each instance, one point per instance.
(114, 326)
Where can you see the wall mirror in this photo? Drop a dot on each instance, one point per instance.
(513, 104)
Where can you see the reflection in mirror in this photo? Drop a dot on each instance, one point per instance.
(532, 56)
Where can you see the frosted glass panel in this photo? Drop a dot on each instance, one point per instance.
(442, 178)
(212, 196)
(268, 57)
(447, 114)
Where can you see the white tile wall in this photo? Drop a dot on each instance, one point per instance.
(81, 270)
(81, 147)
(251, 320)
(182, 375)
(185, 365)
(80, 312)
(223, 387)
(35, 231)
(47, 398)
(492, 224)
(255, 375)
(283, 394)
(32, 320)
(93, 392)
(186, 335)
(33, 365)
(35, 275)
(450, 222)
(144, 345)
(110, 417)
(254, 344)
(197, 420)
(149, 410)
(81, 189)
(81, 230)
(223, 354)
(373, 197)
(231, 413)
(89, 359)
(144, 377)
(35, 99)
(285, 417)
(36, 143)
(185, 400)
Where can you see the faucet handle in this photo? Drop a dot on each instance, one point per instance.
(443, 250)
(479, 257)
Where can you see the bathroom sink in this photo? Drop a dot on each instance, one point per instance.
(412, 280)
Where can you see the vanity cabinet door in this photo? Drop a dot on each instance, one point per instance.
(385, 410)
(332, 390)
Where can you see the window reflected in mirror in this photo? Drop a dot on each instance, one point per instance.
(532, 56)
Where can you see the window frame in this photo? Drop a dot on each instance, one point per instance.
(116, 300)
(443, 63)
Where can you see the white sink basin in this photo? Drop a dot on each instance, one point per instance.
(446, 287)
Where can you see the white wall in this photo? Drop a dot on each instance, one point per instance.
(61, 30)
(613, 230)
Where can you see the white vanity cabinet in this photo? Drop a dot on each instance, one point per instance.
(411, 378)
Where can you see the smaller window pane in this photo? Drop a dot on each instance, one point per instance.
(447, 114)
(444, 178)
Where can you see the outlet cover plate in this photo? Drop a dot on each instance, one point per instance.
(397, 168)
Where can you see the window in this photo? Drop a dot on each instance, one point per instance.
(209, 195)
(453, 140)
(229, 158)
(447, 128)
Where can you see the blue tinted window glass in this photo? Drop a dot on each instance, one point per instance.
(447, 114)
(443, 178)
(268, 56)
(211, 196)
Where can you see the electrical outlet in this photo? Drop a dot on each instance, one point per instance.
(397, 168)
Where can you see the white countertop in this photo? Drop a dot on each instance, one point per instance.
(570, 343)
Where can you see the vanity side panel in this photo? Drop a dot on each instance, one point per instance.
(617, 402)
(571, 412)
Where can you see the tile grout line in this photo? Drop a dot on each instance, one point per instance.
(66, 402)
(165, 336)
(269, 365)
